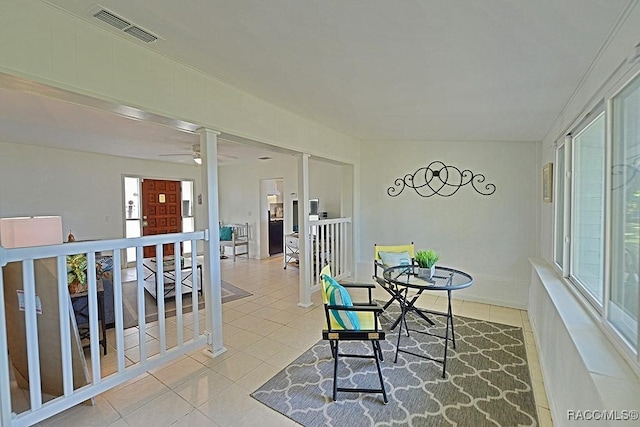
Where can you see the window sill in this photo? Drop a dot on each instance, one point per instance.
(581, 366)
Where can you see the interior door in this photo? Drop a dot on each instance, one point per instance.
(161, 212)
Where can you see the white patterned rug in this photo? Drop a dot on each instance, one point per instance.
(487, 382)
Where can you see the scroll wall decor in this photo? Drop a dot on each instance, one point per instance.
(442, 180)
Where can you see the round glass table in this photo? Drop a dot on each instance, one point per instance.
(403, 279)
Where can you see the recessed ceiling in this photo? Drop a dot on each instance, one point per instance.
(379, 69)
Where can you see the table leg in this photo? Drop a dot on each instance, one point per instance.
(402, 319)
(450, 318)
(102, 321)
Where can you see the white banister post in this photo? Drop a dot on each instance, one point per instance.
(211, 286)
(5, 387)
(303, 231)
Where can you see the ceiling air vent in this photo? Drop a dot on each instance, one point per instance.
(111, 19)
(122, 24)
(141, 34)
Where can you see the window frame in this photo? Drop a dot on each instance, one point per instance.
(604, 104)
(590, 119)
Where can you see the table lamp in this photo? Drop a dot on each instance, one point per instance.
(22, 232)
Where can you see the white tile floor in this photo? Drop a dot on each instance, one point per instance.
(263, 333)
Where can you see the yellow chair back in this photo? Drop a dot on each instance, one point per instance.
(325, 270)
(410, 248)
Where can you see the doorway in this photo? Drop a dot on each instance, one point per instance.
(275, 214)
(133, 209)
(161, 212)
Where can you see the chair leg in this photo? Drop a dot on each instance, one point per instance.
(332, 344)
(335, 373)
(388, 304)
(379, 350)
(384, 390)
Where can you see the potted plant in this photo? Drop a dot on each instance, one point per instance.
(77, 273)
(427, 263)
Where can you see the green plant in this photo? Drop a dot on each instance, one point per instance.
(77, 272)
(77, 269)
(427, 259)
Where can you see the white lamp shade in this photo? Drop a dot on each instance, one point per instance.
(30, 231)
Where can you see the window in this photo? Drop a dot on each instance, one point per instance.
(597, 216)
(625, 212)
(133, 209)
(559, 214)
(587, 222)
(188, 220)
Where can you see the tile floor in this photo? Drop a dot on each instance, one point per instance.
(262, 333)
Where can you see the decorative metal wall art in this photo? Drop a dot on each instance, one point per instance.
(442, 180)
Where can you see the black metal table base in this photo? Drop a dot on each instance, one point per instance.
(82, 319)
(410, 308)
(398, 280)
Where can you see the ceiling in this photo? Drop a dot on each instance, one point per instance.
(30, 118)
(464, 70)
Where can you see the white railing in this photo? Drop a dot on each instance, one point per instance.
(330, 242)
(97, 383)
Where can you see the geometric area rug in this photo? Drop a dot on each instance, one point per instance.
(130, 302)
(487, 381)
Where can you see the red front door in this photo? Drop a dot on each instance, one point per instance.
(161, 211)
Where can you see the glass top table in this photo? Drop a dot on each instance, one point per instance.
(444, 279)
(401, 279)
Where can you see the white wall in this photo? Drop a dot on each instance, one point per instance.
(325, 184)
(490, 237)
(84, 188)
(239, 192)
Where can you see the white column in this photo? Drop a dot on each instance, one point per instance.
(211, 286)
(303, 230)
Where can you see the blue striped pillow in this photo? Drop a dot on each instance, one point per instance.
(338, 295)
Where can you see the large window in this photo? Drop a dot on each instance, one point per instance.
(587, 222)
(625, 212)
(597, 244)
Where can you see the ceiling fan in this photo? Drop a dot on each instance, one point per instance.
(195, 154)
(197, 157)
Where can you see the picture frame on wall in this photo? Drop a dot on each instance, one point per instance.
(547, 183)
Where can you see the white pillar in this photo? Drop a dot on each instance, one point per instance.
(303, 231)
(211, 266)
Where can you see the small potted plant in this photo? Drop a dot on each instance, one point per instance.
(427, 263)
(77, 273)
